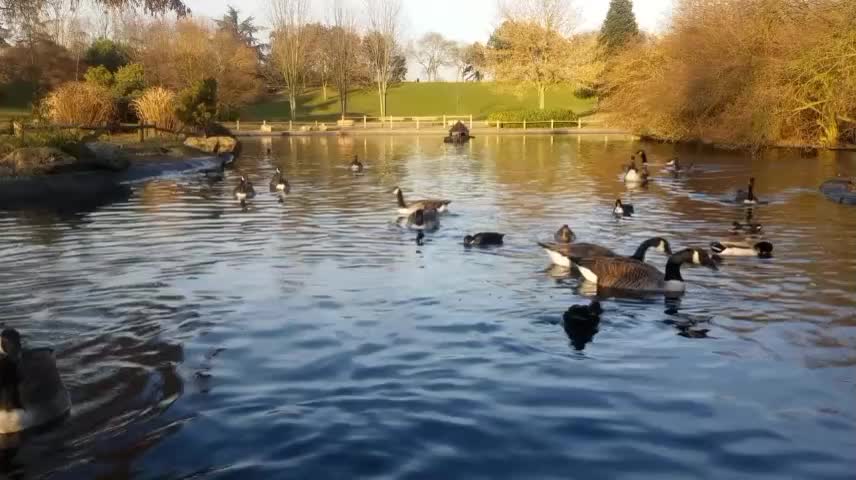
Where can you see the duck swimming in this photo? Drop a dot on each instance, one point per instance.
(747, 228)
(484, 239)
(581, 322)
(564, 255)
(630, 274)
(279, 183)
(405, 208)
(244, 190)
(31, 391)
(622, 209)
(564, 235)
(356, 165)
(740, 249)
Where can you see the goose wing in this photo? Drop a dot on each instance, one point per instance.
(43, 394)
(621, 273)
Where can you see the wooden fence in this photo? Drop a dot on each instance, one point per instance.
(403, 122)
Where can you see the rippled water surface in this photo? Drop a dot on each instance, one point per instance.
(314, 339)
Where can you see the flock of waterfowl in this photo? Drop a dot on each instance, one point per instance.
(32, 393)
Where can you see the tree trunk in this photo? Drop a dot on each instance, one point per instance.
(343, 103)
(292, 105)
(541, 91)
(324, 90)
(382, 98)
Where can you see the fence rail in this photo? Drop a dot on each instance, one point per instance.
(404, 122)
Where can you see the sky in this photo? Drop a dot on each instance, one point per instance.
(472, 20)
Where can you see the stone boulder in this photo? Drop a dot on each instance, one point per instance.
(215, 144)
(105, 156)
(37, 161)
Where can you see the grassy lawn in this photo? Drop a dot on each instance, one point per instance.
(418, 99)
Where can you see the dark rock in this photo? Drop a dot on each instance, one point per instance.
(36, 161)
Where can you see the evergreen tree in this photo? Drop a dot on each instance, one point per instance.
(620, 26)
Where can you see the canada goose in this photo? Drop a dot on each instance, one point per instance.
(748, 196)
(564, 255)
(622, 209)
(483, 239)
(581, 323)
(631, 174)
(644, 156)
(740, 249)
(356, 165)
(748, 228)
(420, 238)
(676, 168)
(279, 183)
(564, 235)
(623, 273)
(244, 190)
(424, 219)
(643, 173)
(407, 208)
(31, 390)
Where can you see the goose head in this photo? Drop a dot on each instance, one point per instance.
(764, 249)
(565, 235)
(420, 238)
(468, 240)
(644, 156)
(10, 344)
(660, 244)
(396, 191)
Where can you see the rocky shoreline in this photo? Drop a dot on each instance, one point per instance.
(89, 172)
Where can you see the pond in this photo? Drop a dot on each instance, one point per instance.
(313, 338)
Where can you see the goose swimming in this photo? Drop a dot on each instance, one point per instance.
(244, 190)
(279, 183)
(630, 274)
(748, 196)
(622, 209)
(406, 208)
(747, 228)
(484, 239)
(31, 391)
(423, 219)
(356, 165)
(564, 255)
(631, 174)
(742, 249)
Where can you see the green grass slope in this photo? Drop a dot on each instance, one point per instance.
(418, 99)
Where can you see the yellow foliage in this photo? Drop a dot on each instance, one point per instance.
(81, 104)
(156, 106)
(742, 72)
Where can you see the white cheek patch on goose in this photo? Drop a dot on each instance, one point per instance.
(696, 259)
(661, 247)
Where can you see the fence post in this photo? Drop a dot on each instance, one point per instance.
(142, 132)
(497, 126)
(365, 125)
(551, 124)
(417, 123)
(289, 125)
(238, 125)
(444, 121)
(471, 121)
(524, 124)
(579, 122)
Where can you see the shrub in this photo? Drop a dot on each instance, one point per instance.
(129, 80)
(196, 105)
(81, 104)
(156, 106)
(65, 140)
(107, 53)
(99, 76)
(532, 116)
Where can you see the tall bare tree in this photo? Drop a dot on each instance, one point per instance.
(289, 42)
(381, 43)
(432, 52)
(532, 47)
(342, 51)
